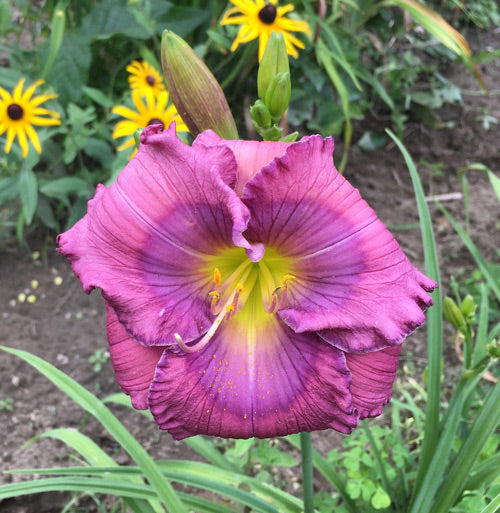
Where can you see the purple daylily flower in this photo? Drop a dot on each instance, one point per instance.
(250, 290)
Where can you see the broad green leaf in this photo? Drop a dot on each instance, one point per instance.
(28, 189)
(380, 499)
(71, 68)
(66, 185)
(183, 20)
(9, 188)
(112, 17)
(9, 77)
(45, 213)
(99, 150)
(98, 96)
(272, 456)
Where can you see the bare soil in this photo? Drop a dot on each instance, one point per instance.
(66, 327)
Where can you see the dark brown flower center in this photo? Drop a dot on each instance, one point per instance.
(150, 80)
(15, 111)
(156, 121)
(267, 14)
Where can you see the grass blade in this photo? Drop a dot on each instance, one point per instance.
(262, 498)
(474, 251)
(87, 401)
(485, 423)
(434, 325)
(493, 506)
(202, 446)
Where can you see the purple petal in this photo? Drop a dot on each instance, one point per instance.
(372, 377)
(133, 363)
(251, 156)
(352, 281)
(258, 380)
(146, 241)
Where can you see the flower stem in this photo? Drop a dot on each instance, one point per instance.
(307, 472)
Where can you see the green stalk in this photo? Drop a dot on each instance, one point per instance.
(378, 461)
(307, 472)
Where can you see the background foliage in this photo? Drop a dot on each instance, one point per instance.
(365, 57)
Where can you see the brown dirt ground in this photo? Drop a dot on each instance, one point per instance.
(65, 326)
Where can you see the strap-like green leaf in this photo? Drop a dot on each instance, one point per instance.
(434, 324)
(87, 401)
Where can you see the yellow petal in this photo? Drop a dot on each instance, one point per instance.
(7, 98)
(18, 91)
(124, 128)
(125, 112)
(29, 92)
(11, 133)
(23, 142)
(34, 138)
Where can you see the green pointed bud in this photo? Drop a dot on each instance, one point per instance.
(274, 61)
(468, 307)
(493, 349)
(260, 114)
(452, 313)
(278, 95)
(193, 89)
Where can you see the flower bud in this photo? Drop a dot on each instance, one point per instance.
(194, 91)
(452, 313)
(493, 348)
(468, 307)
(260, 114)
(274, 61)
(278, 95)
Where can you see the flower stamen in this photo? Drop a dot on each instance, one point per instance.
(284, 288)
(215, 299)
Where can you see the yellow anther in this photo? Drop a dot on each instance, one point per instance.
(229, 309)
(286, 278)
(239, 287)
(215, 295)
(217, 277)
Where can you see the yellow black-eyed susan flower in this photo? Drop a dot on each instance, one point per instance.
(151, 110)
(259, 18)
(144, 78)
(20, 111)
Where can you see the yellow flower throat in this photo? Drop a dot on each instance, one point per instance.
(249, 288)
